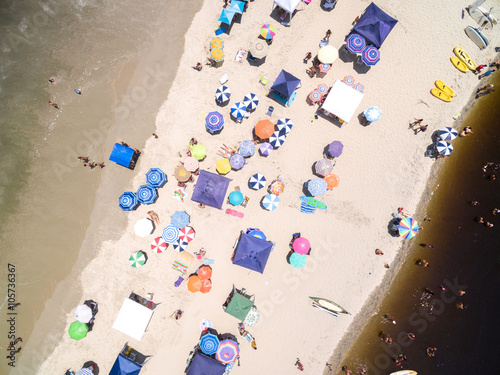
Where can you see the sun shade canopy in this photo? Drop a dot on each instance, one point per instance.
(342, 101)
(252, 253)
(210, 189)
(133, 319)
(121, 155)
(285, 84)
(375, 25)
(203, 365)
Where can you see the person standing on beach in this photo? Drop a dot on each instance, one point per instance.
(416, 122)
(299, 365)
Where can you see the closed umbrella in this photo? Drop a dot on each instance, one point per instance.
(170, 234)
(83, 313)
(251, 101)
(156, 177)
(137, 259)
(237, 161)
(179, 219)
(205, 272)
(355, 43)
(228, 351)
(270, 202)
(298, 260)
(216, 43)
(266, 148)
(238, 110)
(257, 181)
(222, 94)
(267, 31)
(328, 54)
(301, 245)
(323, 167)
(408, 227)
(191, 164)
(373, 114)
(247, 148)
(128, 201)
(332, 181)
(217, 54)
(444, 148)
(209, 344)
(158, 245)
(182, 174)
(78, 330)
(277, 139)
(146, 194)
(223, 166)
(258, 49)
(187, 234)
(284, 125)
(143, 227)
(317, 187)
(214, 122)
(370, 55)
(264, 129)
(447, 134)
(198, 151)
(335, 149)
(236, 198)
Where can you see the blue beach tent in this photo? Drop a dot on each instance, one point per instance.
(203, 365)
(122, 155)
(210, 189)
(252, 252)
(129, 362)
(285, 84)
(375, 25)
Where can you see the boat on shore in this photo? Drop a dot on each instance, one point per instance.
(328, 306)
(404, 372)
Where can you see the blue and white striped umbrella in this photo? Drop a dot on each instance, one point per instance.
(284, 125)
(180, 219)
(85, 371)
(156, 177)
(214, 122)
(317, 187)
(444, 148)
(170, 234)
(257, 181)
(277, 139)
(238, 110)
(447, 134)
(222, 94)
(270, 202)
(236, 161)
(251, 101)
(146, 194)
(373, 114)
(355, 43)
(179, 245)
(128, 201)
(247, 148)
(370, 55)
(209, 344)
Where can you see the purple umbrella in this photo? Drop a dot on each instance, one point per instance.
(237, 161)
(266, 149)
(335, 149)
(370, 55)
(355, 43)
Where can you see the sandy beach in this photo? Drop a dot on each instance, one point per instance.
(382, 168)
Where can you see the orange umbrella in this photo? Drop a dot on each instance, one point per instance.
(264, 129)
(206, 286)
(332, 181)
(205, 272)
(194, 284)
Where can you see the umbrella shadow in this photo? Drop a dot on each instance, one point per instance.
(92, 363)
(214, 132)
(221, 104)
(390, 227)
(253, 61)
(305, 191)
(332, 120)
(431, 151)
(327, 9)
(288, 256)
(362, 120)
(345, 55)
(145, 255)
(360, 67)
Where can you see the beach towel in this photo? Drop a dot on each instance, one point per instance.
(306, 208)
(240, 55)
(235, 213)
(182, 262)
(179, 194)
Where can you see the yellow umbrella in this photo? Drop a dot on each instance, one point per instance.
(328, 54)
(216, 43)
(217, 54)
(223, 166)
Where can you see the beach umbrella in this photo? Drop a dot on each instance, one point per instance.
(251, 101)
(199, 152)
(301, 245)
(256, 233)
(209, 344)
(236, 198)
(277, 139)
(217, 54)
(187, 234)
(323, 167)
(359, 87)
(252, 317)
(355, 43)
(128, 201)
(317, 187)
(214, 122)
(83, 313)
(179, 245)
(447, 134)
(257, 181)
(228, 351)
(370, 55)
(236, 6)
(270, 202)
(236, 161)
(223, 166)
(137, 259)
(78, 330)
(373, 114)
(348, 80)
(156, 177)
(181, 173)
(284, 125)
(238, 110)
(194, 284)
(298, 260)
(226, 16)
(266, 149)
(191, 164)
(205, 323)
(247, 148)
(179, 219)
(267, 31)
(143, 227)
(328, 54)
(206, 286)
(216, 43)
(158, 245)
(222, 94)
(444, 148)
(322, 88)
(407, 228)
(146, 194)
(170, 234)
(325, 68)
(204, 272)
(277, 187)
(315, 96)
(335, 149)
(264, 129)
(258, 49)
(85, 371)
(332, 181)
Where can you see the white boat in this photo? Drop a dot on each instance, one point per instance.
(483, 17)
(404, 372)
(328, 306)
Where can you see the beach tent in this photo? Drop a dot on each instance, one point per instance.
(134, 316)
(204, 365)
(122, 155)
(252, 252)
(375, 25)
(128, 362)
(285, 84)
(342, 101)
(210, 189)
(288, 5)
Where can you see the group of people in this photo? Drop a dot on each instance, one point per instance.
(490, 65)
(12, 346)
(485, 90)
(313, 70)
(87, 163)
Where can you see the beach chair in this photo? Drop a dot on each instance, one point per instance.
(270, 111)
(220, 30)
(245, 202)
(223, 79)
(264, 80)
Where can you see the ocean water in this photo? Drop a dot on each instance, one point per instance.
(122, 56)
(465, 257)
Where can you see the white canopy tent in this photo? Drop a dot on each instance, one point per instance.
(133, 319)
(288, 5)
(342, 101)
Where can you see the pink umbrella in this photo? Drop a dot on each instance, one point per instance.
(191, 164)
(158, 245)
(187, 234)
(301, 245)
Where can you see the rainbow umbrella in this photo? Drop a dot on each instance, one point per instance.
(359, 87)
(217, 54)
(315, 96)
(228, 351)
(267, 31)
(324, 68)
(407, 228)
(355, 43)
(370, 55)
(348, 80)
(322, 88)
(216, 43)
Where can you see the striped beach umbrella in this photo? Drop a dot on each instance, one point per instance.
(317, 187)
(187, 234)
(335, 149)
(179, 245)
(322, 88)
(266, 149)
(355, 43)
(348, 80)
(257, 181)
(236, 198)
(373, 114)
(191, 164)
(246, 149)
(228, 351)
(85, 371)
(444, 148)
(143, 227)
(298, 260)
(325, 68)
(284, 125)
(277, 139)
(315, 96)
(359, 87)
(137, 259)
(370, 55)
(236, 161)
(214, 122)
(179, 219)
(156, 177)
(209, 344)
(146, 194)
(170, 234)
(222, 94)
(198, 151)
(216, 43)
(270, 202)
(159, 245)
(407, 228)
(251, 101)
(217, 54)
(128, 201)
(447, 134)
(267, 31)
(238, 110)
(264, 129)
(277, 187)
(323, 167)
(223, 166)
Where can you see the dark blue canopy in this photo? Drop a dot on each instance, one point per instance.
(252, 253)
(375, 25)
(125, 366)
(203, 365)
(122, 155)
(285, 84)
(210, 189)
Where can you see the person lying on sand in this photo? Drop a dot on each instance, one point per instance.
(198, 67)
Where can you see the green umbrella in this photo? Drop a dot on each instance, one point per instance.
(78, 330)
(239, 306)
(198, 151)
(137, 259)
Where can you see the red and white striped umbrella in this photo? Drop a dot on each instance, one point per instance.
(187, 234)
(191, 164)
(158, 245)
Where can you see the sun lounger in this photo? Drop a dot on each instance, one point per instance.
(223, 79)
(270, 111)
(220, 30)
(264, 80)
(240, 55)
(245, 202)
